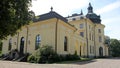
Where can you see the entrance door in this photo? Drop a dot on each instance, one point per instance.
(80, 50)
(100, 51)
(22, 45)
(77, 47)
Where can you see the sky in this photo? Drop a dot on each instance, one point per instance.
(109, 10)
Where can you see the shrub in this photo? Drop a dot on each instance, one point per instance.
(69, 57)
(48, 55)
(24, 59)
(72, 57)
(62, 57)
(75, 56)
(31, 59)
(1, 45)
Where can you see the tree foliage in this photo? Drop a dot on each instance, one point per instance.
(46, 54)
(115, 47)
(107, 40)
(0, 46)
(13, 15)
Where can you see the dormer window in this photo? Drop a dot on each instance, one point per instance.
(99, 30)
(81, 26)
(74, 19)
(82, 34)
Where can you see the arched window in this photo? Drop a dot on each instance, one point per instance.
(65, 44)
(10, 44)
(22, 42)
(100, 39)
(100, 51)
(38, 42)
(80, 49)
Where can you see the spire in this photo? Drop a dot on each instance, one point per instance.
(51, 8)
(89, 4)
(90, 8)
(81, 12)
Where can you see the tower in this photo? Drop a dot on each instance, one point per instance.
(92, 16)
(90, 8)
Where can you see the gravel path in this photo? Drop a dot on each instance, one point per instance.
(98, 63)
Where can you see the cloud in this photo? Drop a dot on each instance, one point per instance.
(63, 7)
(109, 7)
(111, 20)
(112, 27)
(67, 7)
(113, 31)
(114, 20)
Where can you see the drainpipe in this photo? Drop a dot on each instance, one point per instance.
(86, 37)
(26, 40)
(17, 40)
(56, 28)
(94, 41)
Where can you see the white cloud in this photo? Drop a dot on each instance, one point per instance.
(113, 31)
(66, 7)
(109, 7)
(111, 23)
(63, 7)
(111, 20)
(112, 27)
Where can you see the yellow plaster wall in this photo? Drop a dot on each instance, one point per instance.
(47, 30)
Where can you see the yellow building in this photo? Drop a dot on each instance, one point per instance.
(81, 33)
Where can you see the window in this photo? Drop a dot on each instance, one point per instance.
(14, 43)
(90, 36)
(74, 19)
(65, 44)
(38, 42)
(100, 51)
(81, 17)
(81, 25)
(10, 44)
(80, 50)
(22, 42)
(29, 42)
(82, 34)
(100, 39)
(91, 49)
(89, 26)
(99, 30)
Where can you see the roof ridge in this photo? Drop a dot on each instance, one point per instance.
(49, 15)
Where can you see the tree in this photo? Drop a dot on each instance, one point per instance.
(44, 54)
(0, 46)
(13, 15)
(115, 47)
(107, 40)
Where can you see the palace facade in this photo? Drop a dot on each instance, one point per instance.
(81, 33)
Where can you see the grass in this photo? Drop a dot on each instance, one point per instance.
(73, 61)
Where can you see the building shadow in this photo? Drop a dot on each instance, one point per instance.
(113, 58)
(84, 62)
